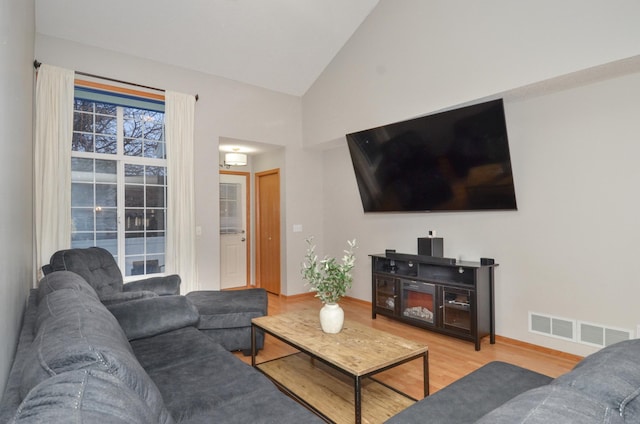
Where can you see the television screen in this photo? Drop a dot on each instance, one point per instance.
(456, 160)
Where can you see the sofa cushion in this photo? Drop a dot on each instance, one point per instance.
(85, 396)
(164, 285)
(167, 350)
(610, 376)
(552, 404)
(63, 280)
(70, 342)
(229, 309)
(265, 405)
(11, 398)
(95, 264)
(121, 297)
(148, 317)
(234, 392)
(234, 339)
(66, 301)
(85, 336)
(469, 398)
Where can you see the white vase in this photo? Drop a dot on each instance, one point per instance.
(331, 318)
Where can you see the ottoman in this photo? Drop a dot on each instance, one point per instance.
(225, 316)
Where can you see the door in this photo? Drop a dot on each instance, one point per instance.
(234, 229)
(268, 230)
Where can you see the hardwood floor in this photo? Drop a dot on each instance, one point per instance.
(449, 358)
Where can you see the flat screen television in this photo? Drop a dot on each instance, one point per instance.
(456, 160)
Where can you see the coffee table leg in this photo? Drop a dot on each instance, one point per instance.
(358, 400)
(425, 370)
(253, 345)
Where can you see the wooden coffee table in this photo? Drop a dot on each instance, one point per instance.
(332, 373)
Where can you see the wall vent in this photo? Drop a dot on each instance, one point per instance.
(552, 326)
(577, 331)
(601, 336)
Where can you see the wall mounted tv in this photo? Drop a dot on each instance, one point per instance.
(456, 160)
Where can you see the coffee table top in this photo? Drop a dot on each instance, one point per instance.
(357, 349)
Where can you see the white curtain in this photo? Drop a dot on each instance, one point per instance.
(52, 161)
(181, 237)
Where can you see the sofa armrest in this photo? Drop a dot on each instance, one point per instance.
(47, 269)
(163, 286)
(148, 317)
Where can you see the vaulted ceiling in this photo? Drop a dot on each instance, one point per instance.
(281, 45)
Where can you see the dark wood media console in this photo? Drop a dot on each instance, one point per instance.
(438, 294)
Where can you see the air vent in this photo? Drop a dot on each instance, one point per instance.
(577, 331)
(539, 324)
(552, 326)
(599, 335)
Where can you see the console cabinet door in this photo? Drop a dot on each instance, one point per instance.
(456, 310)
(386, 294)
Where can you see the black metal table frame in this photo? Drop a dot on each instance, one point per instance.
(357, 379)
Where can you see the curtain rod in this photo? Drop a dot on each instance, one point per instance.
(37, 64)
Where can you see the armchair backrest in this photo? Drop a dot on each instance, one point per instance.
(95, 264)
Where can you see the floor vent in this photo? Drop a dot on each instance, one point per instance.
(552, 326)
(577, 331)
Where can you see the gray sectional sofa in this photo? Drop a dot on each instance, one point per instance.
(144, 360)
(224, 316)
(140, 361)
(602, 388)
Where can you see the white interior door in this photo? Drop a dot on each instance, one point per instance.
(233, 232)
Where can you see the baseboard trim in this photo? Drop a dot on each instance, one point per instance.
(297, 296)
(356, 300)
(313, 294)
(538, 348)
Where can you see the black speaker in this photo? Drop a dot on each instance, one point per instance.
(431, 246)
(487, 261)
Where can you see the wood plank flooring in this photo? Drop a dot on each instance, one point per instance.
(449, 358)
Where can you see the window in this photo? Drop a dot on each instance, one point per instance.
(119, 182)
(230, 208)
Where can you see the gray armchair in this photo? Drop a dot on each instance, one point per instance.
(98, 267)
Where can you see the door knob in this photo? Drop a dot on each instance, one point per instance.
(243, 239)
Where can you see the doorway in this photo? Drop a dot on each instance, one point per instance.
(267, 186)
(235, 240)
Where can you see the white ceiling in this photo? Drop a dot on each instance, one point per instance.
(282, 45)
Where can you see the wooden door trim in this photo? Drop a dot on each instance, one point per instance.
(247, 224)
(275, 171)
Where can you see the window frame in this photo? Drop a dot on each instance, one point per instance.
(122, 159)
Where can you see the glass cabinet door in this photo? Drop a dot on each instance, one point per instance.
(456, 309)
(386, 293)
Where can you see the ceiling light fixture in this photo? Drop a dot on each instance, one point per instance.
(235, 159)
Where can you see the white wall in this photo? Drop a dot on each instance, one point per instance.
(569, 250)
(304, 197)
(300, 204)
(226, 109)
(16, 169)
(576, 237)
(412, 57)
